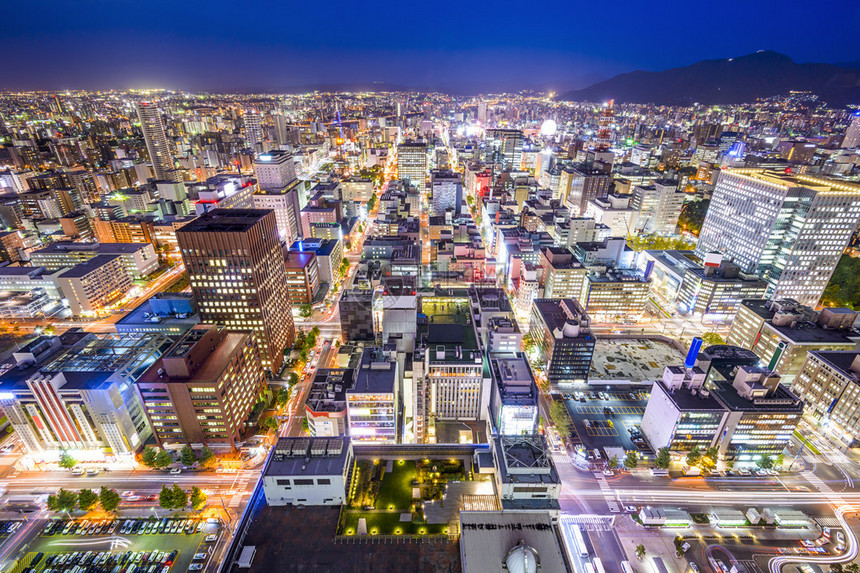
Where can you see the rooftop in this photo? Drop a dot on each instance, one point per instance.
(308, 457)
(100, 248)
(83, 269)
(328, 390)
(225, 221)
(376, 373)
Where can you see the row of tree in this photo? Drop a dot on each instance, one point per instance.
(86, 499)
(162, 458)
(177, 498)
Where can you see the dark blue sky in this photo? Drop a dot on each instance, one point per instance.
(463, 45)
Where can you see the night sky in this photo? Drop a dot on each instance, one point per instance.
(456, 46)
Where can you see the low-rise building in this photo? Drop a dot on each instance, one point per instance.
(139, 259)
(514, 399)
(716, 289)
(526, 477)
(92, 286)
(325, 406)
(169, 313)
(373, 402)
(308, 471)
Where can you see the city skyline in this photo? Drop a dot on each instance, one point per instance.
(446, 48)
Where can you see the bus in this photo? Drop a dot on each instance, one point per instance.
(579, 540)
(598, 566)
(625, 567)
(588, 567)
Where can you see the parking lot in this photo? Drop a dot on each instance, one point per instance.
(153, 545)
(608, 418)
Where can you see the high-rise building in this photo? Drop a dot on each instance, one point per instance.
(446, 192)
(586, 184)
(203, 388)
(156, 140)
(658, 206)
(514, 398)
(829, 385)
(253, 129)
(505, 147)
(356, 315)
(285, 203)
(563, 275)
(852, 134)
(788, 229)
(275, 170)
(561, 329)
(412, 163)
(373, 402)
(235, 265)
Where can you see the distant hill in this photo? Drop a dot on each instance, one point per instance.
(734, 80)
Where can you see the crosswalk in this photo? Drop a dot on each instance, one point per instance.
(828, 522)
(592, 522)
(240, 486)
(608, 495)
(821, 485)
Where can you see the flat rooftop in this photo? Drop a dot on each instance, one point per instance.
(224, 221)
(83, 269)
(98, 248)
(487, 537)
(308, 457)
(375, 373)
(686, 401)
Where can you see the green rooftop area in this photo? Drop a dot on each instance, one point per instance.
(386, 496)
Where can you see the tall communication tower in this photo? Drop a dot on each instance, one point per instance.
(604, 126)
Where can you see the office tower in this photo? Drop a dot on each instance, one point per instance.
(76, 392)
(156, 140)
(303, 281)
(716, 289)
(723, 399)
(563, 275)
(505, 147)
(275, 170)
(829, 385)
(482, 112)
(586, 184)
(446, 192)
(285, 203)
(788, 229)
(561, 330)
(235, 265)
(658, 207)
(203, 388)
(253, 129)
(514, 396)
(412, 163)
(852, 134)
(356, 315)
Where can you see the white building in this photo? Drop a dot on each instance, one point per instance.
(615, 212)
(308, 471)
(156, 140)
(788, 229)
(446, 192)
(658, 206)
(275, 170)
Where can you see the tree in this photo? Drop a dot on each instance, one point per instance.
(663, 459)
(305, 310)
(712, 339)
(344, 266)
(292, 381)
(147, 458)
(270, 423)
(640, 551)
(198, 498)
(67, 461)
(165, 497)
(207, 458)
(560, 418)
(765, 462)
(180, 497)
(694, 457)
(87, 498)
(66, 500)
(163, 459)
(315, 331)
(347, 244)
(283, 395)
(371, 203)
(187, 456)
(631, 461)
(709, 460)
(852, 568)
(778, 461)
(52, 503)
(613, 462)
(693, 215)
(108, 499)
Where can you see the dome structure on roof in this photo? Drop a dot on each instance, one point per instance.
(522, 558)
